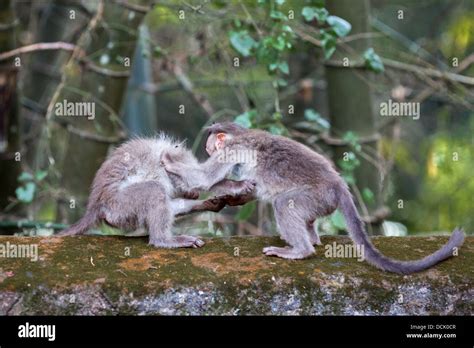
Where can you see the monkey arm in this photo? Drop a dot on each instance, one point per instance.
(215, 169)
(233, 187)
(216, 204)
(224, 187)
(235, 200)
(202, 176)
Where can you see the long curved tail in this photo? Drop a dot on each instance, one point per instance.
(374, 257)
(80, 227)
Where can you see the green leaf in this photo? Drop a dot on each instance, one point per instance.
(242, 42)
(373, 61)
(246, 211)
(340, 26)
(338, 221)
(277, 129)
(313, 116)
(281, 83)
(25, 176)
(277, 116)
(26, 193)
(246, 119)
(283, 67)
(266, 54)
(350, 137)
(310, 13)
(279, 43)
(329, 44)
(278, 15)
(40, 175)
(368, 195)
(350, 163)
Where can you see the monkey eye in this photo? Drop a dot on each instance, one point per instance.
(176, 146)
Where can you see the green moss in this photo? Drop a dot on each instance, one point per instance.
(233, 273)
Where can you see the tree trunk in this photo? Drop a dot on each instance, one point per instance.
(79, 144)
(350, 97)
(139, 111)
(41, 73)
(9, 132)
(51, 21)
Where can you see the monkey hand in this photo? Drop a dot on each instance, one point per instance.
(193, 194)
(239, 188)
(215, 204)
(172, 166)
(248, 186)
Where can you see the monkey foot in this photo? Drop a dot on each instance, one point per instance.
(179, 242)
(286, 252)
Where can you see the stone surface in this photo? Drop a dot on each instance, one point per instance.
(92, 275)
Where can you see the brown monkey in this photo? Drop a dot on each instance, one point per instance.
(131, 190)
(301, 184)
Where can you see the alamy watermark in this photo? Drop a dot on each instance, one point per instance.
(37, 331)
(12, 250)
(238, 156)
(403, 109)
(336, 250)
(79, 109)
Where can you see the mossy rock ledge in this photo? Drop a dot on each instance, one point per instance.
(92, 275)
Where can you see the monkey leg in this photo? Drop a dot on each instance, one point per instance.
(159, 221)
(181, 206)
(319, 206)
(313, 234)
(215, 204)
(140, 232)
(147, 204)
(291, 222)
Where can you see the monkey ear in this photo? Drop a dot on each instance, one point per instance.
(220, 138)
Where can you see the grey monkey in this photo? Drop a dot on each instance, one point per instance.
(302, 186)
(132, 191)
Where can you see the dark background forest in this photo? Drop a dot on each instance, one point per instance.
(316, 71)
